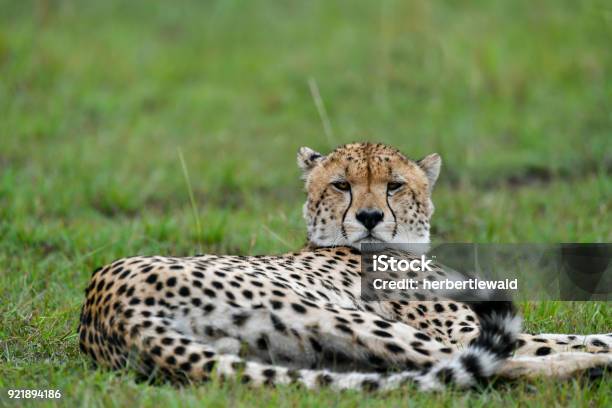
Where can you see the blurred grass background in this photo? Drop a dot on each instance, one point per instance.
(98, 101)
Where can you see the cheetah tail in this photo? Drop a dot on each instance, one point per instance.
(181, 358)
(500, 326)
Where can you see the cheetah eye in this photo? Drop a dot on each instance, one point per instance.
(342, 185)
(394, 186)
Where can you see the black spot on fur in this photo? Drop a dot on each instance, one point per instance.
(382, 324)
(369, 385)
(209, 366)
(151, 279)
(298, 308)
(262, 342)
(394, 348)
(344, 328)
(543, 351)
(445, 375)
(316, 346)
(382, 333)
(269, 373)
(240, 318)
(278, 323)
(471, 363)
(324, 380)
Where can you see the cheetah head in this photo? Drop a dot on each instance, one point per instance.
(367, 193)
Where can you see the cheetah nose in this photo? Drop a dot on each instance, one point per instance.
(369, 218)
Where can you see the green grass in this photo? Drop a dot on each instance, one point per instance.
(98, 98)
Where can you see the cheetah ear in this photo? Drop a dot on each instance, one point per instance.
(307, 159)
(431, 166)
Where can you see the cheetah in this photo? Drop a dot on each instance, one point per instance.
(299, 317)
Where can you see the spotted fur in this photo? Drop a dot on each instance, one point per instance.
(299, 317)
